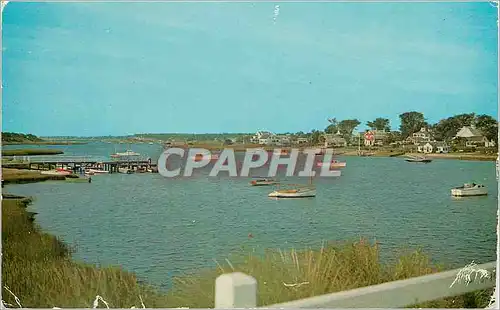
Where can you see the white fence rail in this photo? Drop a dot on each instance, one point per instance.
(238, 290)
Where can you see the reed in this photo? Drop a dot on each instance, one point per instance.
(37, 268)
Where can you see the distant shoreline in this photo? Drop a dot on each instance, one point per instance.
(44, 143)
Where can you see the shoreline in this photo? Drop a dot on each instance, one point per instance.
(75, 283)
(43, 143)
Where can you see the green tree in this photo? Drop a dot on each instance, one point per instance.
(333, 127)
(315, 136)
(346, 127)
(488, 126)
(411, 122)
(379, 124)
(447, 128)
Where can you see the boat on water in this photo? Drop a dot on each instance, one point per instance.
(128, 153)
(263, 182)
(125, 170)
(418, 159)
(469, 189)
(96, 171)
(298, 192)
(334, 164)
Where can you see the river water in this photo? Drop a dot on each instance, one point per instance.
(159, 227)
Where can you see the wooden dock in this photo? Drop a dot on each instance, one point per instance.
(79, 163)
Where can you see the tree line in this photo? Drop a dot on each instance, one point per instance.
(412, 122)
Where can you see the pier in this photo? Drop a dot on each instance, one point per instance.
(80, 163)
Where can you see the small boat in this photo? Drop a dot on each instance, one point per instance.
(300, 192)
(333, 164)
(418, 159)
(469, 189)
(97, 171)
(263, 182)
(127, 153)
(125, 170)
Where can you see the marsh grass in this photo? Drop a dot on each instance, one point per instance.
(18, 176)
(37, 268)
(30, 152)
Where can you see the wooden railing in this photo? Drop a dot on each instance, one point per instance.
(238, 290)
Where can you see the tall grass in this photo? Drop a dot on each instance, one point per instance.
(37, 268)
(30, 152)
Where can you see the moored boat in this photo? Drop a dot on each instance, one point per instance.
(469, 189)
(125, 170)
(299, 192)
(333, 164)
(418, 159)
(97, 171)
(263, 182)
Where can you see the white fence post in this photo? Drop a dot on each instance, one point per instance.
(235, 290)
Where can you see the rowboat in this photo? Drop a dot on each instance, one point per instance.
(469, 189)
(418, 159)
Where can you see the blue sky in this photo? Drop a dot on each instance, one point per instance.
(122, 68)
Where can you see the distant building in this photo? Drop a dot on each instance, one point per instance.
(380, 138)
(302, 140)
(419, 137)
(334, 140)
(262, 137)
(473, 137)
(433, 147)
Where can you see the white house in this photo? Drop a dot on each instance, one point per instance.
(433, 147)
(261, 137)
(420, 137)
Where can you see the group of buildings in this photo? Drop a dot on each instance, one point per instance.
(423, 140)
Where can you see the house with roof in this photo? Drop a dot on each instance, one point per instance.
(420, 137)
(262, 137)
(380, 138)
(334, 140)
(473, 137)
(433, 147)
(301, 140)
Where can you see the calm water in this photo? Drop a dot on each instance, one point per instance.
(158, 227)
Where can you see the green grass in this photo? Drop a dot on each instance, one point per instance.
(38, 269)
(30, 152)
(18, 176)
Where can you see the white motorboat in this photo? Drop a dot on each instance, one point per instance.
(125, 170)
(469, 189)
(300, 192)
(96, 171)
(127, 153)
